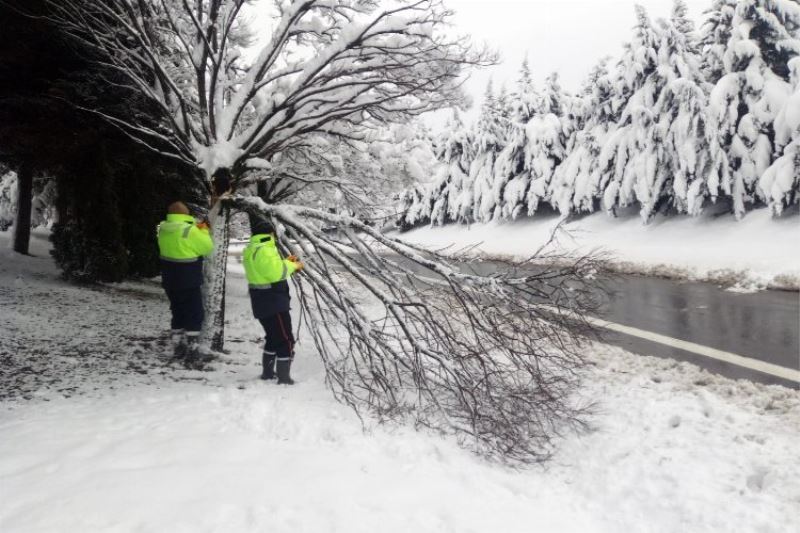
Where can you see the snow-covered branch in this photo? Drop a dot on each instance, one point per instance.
(405, 332)
(327, 67)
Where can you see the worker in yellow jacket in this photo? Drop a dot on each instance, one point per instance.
(182, 244)
(267, 276)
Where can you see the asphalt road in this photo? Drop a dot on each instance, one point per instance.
(725, 332)
(763, 326)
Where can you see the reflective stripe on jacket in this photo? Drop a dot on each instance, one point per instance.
(180, 240)
(182, 246)
(263, 263)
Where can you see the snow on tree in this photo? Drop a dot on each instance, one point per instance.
(547, 134)
(681, 121)
(657, 154)
(403, 157)
(8, 196)
(628, 160)
(327, 67)
(452, 171)
(686, 117)
(746, 100)
(491, 134)
(404, 333)
(716, 33)
(413, 206)
(409, 334)
(512, 167)
(781, 181)
(576, 182)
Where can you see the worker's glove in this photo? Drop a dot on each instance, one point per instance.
(298, 265)
(293, 258)
(203, 226)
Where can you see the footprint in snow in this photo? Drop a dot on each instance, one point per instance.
(756, 480)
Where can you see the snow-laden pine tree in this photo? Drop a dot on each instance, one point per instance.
(658, 152)
(628, 160)
(512, 168)
(404, 156)
(576, 182)
(491, 135)
(746, 100)
(452, 170)
(715, 34)
(781, 181)
(547, 134)
(683, 161)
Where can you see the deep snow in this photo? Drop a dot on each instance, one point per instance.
(140, 446)
(757, 252)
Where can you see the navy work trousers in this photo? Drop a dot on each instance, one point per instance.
(280, 340)
(187, 308)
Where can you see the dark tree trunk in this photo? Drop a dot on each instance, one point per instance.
(261, 192)
(22, 224)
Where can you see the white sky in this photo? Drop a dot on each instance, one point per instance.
(568, 36)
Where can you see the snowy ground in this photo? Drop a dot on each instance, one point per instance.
(756, 252)
(113, 439)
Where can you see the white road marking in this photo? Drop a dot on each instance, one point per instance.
(691, 347)
(698, 349)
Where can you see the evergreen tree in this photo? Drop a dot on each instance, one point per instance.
(547, 135)
(629, 157)
(512, 168)
(490, 137)
(686, 116)
(781, 181)
(746, 100)
(716, 33)
(109, 190)
(681, 122)
(576, 182)
(451, 175)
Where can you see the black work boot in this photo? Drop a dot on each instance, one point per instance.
(178, 343)
(284, 366)
(267, 365)
(192, 358)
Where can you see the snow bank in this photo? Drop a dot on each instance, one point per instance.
(107, 447)
(674, 450)
(758, 251)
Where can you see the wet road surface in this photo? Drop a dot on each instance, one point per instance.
(761, 326)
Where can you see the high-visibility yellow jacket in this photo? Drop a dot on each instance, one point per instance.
(182, 246)
(263, 263)
(179, 239)
(267, 274)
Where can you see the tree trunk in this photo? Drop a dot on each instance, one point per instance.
(22, 224)
(261, 192)
(215, 273)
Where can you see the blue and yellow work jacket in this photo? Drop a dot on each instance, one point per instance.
(267, 274)
(182, 246)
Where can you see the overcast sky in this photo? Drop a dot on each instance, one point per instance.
(567, 36)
